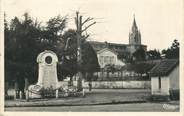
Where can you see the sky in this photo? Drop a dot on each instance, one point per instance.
(159, 21)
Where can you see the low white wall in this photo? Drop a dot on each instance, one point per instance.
(117, 84)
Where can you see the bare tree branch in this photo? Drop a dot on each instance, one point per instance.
(88, 19)
(85, 37)
(88, 26)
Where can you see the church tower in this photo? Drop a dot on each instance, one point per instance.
(134, 35)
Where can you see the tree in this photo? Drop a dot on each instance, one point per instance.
(20, 50)
(143, 68)
(6, 33)
(81, 26)
(89, 58)
(69, 65)
(124, 56)
(24, 40)
(153, 54)
(173, 51)
(139, 54)
(109, 68)
(52, 34)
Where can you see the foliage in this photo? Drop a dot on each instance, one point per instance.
(173, 51)
(20, 47)
(68, 91)
(139, 54)
(142, 68)
(24, 40)
(48, 92)
(110, 68)
(124, 56)
(139, 67)
(68, 64)
(153, 54)
(89, 58)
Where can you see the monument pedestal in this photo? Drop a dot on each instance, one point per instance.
(47, 77)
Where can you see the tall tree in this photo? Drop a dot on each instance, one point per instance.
(139, 54)
(173, 51)
(69, 64)
(20, 50)
(82, 26)
(52, 33)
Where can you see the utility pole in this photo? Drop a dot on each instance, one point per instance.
(79, 25)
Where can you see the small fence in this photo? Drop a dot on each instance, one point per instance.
(125, 78)
(119, 76)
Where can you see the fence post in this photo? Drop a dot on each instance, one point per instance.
(20, 94)
(57, 93)
(26, 88)
(16, 90)
(83, 92)
(6, 89)
(27, 95)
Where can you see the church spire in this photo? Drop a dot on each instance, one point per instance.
(134, 35)
(134, 26)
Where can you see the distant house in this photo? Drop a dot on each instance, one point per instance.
(107, 56)
(165, 80)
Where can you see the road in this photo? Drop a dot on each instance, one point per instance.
(144, 107)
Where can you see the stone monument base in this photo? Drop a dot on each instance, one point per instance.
(34, 91)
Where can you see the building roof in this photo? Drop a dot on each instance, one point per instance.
(116, 44)
(108, 44)
(164, 67)
(115, 47)
(107, 49)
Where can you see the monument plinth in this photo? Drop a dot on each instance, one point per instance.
(47, 73)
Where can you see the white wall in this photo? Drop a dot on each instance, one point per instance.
(118, 84)
(164, 90)
(174, 79)
(154, 85)
(165, 85)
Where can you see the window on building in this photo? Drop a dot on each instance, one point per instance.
(105, 59)
(111, 59)
(108, 59)
(101, 60)
(159, 82)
